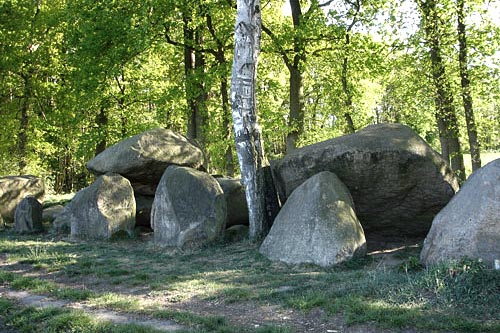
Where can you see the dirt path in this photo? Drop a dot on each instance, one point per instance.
(29, 300)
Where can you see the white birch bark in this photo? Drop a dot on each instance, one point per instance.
(247, 133)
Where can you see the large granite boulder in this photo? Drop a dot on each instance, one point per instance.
(397, 181)
(469, 226)
(100, 210)
(28, 216)
(143, 158)
(236, 202)
(13, 189)
(316, 225)
(189, 208)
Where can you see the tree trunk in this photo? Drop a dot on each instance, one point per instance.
(247, 135)
(102, 125)
(465, 83)
(201, 97)
(121, 103)
(22, 136)
(347, 92)
(189, 65)
(296, 116)
(196, 97)
(348, 96)
(445, 111)
(296, 92)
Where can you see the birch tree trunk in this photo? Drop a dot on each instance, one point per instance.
(247, 133)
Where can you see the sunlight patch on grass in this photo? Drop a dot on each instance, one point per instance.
(457, 297)
(116, 302)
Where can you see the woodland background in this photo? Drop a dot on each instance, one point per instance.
(79, 75)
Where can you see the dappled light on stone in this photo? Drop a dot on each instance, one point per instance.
(469, 226)
(316, 225)
(396, 180)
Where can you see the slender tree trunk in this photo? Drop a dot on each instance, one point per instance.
(196, 97)
(247, 134)
(22, 136)
(201, 115)
(102, 125)
(347, 91)
(121, 103)
(189, 65)
(465, 83)
(356, 6)
(296, 115)
(296, 90)
(445, 111)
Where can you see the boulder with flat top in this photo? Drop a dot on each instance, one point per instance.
(397, 181)
(143, 158)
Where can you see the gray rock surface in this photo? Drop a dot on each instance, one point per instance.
(189, 208)
(316, 225)
(28, 216)
(396, 180)
(100, 210)
(51, 213)
(143, 158)
(469, 226)
(13, 189)
(236, 202)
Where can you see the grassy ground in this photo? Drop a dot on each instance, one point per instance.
(232, 288)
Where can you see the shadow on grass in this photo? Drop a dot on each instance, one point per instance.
(406, 296)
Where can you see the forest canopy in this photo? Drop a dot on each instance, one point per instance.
(77, 76)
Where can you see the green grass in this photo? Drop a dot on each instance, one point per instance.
(52, 320)
(463, 297)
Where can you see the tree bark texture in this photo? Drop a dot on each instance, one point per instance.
(101, 122)
(22, 136)
(296, 114)
(345, 67)
(466, 91)
(445, 112)
(347, 91)
(194, 65)
(247, 134)
(296, 91)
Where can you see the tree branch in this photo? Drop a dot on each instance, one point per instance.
(281, 51)
(179, 44)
